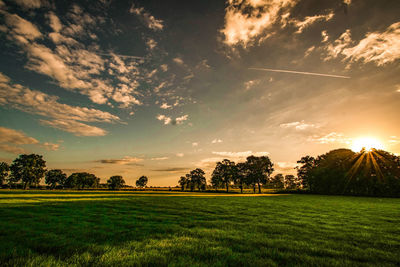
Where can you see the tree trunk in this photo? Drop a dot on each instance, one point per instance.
(241, 189)
(259, 188)
(254, 188)
(227, 187)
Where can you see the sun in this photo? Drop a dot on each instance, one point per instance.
(368, 143)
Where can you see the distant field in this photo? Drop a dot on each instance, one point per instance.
(44, 228)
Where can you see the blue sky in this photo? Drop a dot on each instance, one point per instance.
(158, 88)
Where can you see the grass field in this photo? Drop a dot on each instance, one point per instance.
(43, 228)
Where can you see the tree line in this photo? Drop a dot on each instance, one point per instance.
(29, 170)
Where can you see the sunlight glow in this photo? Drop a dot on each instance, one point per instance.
(366, 142)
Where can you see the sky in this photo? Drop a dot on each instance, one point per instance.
(158, 88)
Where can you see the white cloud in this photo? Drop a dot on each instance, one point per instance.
(160, 158)
(332, 137)
(376, 47)
(325, 36)
(215, 141)
(249, 84)
(11, 141)
(165, 119)
(195, 144)
(309, 20)
(240, 155)
(63, 116)
(180, 155)
(75, 127)
(29, 4)
(309, 51)
(151, 43)
(165, 106)
(247, 21)
(12, 136)
(149, 20)
(178, 60)
(181, 119)
(298, 125)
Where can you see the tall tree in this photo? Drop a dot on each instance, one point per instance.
(55, 177)
(183, 182)
(290, 181)
(4, 170)
(82, 180)
(198, 179)
(304, 171)
(241, 175)
(142, 181)
(29, 169)
(115, 182)
(260, 169)
(224, 173)
(277, 181)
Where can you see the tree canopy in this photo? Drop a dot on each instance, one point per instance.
(29, 169)
(142, 181)
(115, 182)
(55, 177)
(4, 170)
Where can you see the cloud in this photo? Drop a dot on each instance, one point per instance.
(329, 138)
(11, 140)
(379, 48)
(164, 67)
(241, 155)
(64, 117)
(178, 60)
(51, 146)
(29, 4)
(165, 106)
(309, 51)
(151, 44)
(124, 161)
(150, 21)
(173, 169)
(195, 144)
(21, 29)
(298, 125)
(325, 36)
(285, 166)
(168, 120)
(180, 155)
(75, 127)
(12, 136)
(12, 149)
(247, 21)
(181, 119)
(54, 22)
(165, 119)
(309, 20)
(249, 84)
(215, 141)
(160, 158)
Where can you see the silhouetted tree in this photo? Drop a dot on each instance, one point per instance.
(55, 177)
(142, 181)
(342, 171)
(241, 175)
(115, 182)
(183, 182)
(198, 179)
(4, 170)
(224, 173)
(290, 182)
(304, 171)
(260, 169)
(29, 169)
(82, 180)
(277, 181)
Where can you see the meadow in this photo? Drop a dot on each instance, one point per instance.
(59, 228)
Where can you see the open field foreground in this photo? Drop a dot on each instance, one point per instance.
(184, 229)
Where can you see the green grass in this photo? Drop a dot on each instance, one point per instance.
(43, 228)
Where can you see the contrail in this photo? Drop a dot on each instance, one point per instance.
(123, 56)
(302, 72)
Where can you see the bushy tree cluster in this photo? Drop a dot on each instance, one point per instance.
(342, 171)
(192, 180)
(142, 181)
(254, 172)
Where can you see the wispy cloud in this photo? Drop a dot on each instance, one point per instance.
(215, 141)
(123, 161)
(298, 125)
(242, 154)
(329, 138)
(302, 72)
(309, 20)
(376, 47)
(149, 20)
